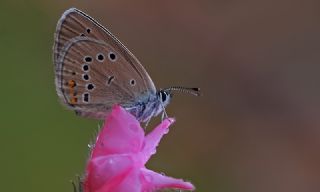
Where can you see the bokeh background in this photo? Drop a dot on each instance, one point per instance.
(255, 129)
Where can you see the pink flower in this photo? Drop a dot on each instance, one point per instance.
(117, 162)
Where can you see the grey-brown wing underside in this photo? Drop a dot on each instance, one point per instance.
(121, 81)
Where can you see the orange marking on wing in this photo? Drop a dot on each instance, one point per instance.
(72, 83)
(73, 98)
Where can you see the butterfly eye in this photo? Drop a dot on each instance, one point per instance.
(87, 59)
(100, 57)
(112, 56)
(163, 96)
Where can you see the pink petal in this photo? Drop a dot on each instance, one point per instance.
(155, 181)
(120, 153)
(107, 172)
(120, 134)
(131, 183)
(153, 138)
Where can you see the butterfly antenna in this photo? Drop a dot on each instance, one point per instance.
(192, 91)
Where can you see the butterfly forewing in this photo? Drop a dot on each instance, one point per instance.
(93, 69)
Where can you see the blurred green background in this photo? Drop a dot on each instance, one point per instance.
(255, 129)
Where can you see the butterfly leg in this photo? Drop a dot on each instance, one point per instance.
(164, 115)
(146, 124)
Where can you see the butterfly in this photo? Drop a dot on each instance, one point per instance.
(94, 71)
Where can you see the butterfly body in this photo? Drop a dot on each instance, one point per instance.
(94, 71)
(152, 106)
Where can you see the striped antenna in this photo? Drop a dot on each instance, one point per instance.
(192, 91)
